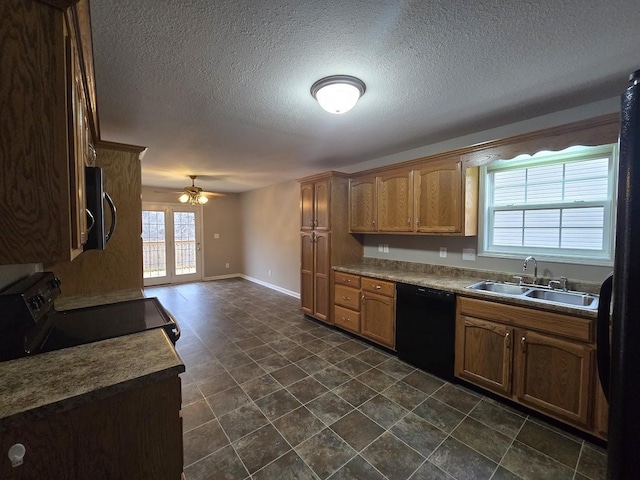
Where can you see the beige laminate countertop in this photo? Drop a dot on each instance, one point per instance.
(33, 387)
(455, 280)
(89, 300)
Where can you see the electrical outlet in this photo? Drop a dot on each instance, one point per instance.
(380, 248)
(443, 252)
(227, 265)
(269, 272)
(469, 254)
(385, 248)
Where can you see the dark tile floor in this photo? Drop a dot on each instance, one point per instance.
(270, 394)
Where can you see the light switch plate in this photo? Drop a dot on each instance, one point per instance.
(386, 248)
(380, 248)
(469, 254)
(216, 235)
(443, 252)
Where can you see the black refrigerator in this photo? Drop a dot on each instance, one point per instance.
(619, 359)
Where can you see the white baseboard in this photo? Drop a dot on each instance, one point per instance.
(271, 286)
(223, 277)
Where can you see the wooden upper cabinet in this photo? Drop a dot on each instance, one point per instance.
(314, 205)
(395, 202)
(434, 197)
(46, 133)
(438, 197)
(362, 204)
(554, 375)
(322, 197)
(306, 206)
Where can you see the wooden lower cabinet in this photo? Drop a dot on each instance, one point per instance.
(547, 371)
(554, 375)
(132, 434)
(378, 319)
(365, 306)
(483, 355)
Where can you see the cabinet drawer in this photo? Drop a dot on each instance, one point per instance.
(347, 319)
(347, 297)
(378, 286)
(347, 279)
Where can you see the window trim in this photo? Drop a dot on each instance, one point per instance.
(569, 256)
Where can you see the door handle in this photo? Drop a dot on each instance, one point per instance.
(523, 344)
(603, 354)
(507, 340)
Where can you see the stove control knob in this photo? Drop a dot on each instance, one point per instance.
(55, 283)
(36, 302)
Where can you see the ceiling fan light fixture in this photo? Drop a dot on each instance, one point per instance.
(193, 195)
(338, 93)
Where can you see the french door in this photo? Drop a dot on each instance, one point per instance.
(171, 243)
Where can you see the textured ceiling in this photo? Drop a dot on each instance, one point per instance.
(221, 88)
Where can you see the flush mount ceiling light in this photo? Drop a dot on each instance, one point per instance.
(338, 93)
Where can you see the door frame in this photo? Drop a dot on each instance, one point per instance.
(171, 277)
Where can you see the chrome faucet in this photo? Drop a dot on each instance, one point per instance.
(535, 268)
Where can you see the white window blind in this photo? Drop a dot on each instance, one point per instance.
(555, 204)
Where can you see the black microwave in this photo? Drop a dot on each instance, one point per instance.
(98, 235)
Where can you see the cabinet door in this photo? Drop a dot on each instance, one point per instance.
(78, 149)
(306, 272)
(438, 197)
(306, 206)
(362, 204)
(395, 202)
(377, 320)
(554, 375)
(483, 353)
(322, 269)
(321, 201)
(601, 415)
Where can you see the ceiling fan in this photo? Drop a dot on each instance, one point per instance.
(195, 195)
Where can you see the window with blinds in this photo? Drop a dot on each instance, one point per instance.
(551, 204)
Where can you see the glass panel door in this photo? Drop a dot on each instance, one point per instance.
(171, 244)
(154, 246)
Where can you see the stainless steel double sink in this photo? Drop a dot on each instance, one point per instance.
(539, 293)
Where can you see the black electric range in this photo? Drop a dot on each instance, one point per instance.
(30, 325)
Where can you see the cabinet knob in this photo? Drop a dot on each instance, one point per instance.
(409, 221)
(377, 287)
(507, 340)
(16, 454)
(523, 344)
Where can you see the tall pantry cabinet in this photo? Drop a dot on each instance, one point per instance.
(325, 240)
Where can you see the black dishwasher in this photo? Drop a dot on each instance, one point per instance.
(425, 328)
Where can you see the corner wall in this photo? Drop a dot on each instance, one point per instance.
(271, 235)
